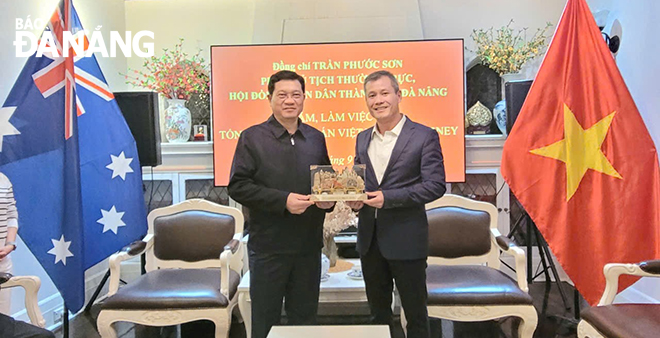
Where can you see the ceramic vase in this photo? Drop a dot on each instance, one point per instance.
(499, 114)
(178, 121)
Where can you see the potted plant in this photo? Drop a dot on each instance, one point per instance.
(177, 76)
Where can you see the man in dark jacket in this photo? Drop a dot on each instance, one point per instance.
(271, 176)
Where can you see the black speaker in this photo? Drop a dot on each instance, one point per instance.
(140, 110)
(515, 93)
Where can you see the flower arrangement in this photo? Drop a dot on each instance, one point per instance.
(505, 50)
(173, 74)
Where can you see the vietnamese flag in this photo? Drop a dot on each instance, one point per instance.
(581, 161)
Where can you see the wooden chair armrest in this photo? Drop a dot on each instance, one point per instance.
(231, 259)
(233, 246)
(238, 261)
(31, 284)
(134, 249)
(4, 277)
(504, 242)
(652, 266)
(612, 271)
(225, 263)
(509, 247)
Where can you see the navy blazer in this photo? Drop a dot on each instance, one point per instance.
(415, 175)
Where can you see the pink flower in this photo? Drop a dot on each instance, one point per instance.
(174, 74)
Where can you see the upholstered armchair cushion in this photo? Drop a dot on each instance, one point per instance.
(203, 235)
(472, 285)
(625, 320)
(457, 232)
(174, 289)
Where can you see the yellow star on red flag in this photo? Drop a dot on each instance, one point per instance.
(580, 150)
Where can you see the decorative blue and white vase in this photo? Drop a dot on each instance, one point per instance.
(499, 113)
(178, 121)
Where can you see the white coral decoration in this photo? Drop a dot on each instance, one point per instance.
(339, 219)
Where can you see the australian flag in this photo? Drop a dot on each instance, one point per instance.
(73, 162)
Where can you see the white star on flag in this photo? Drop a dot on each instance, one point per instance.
(6, 128)
(120, 165)
(60, 250)
(111, 220)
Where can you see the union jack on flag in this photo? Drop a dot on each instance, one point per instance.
(63, 72)
(72, 160)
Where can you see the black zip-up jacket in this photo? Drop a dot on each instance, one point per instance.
(269, 163)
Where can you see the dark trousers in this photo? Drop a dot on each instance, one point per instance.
(410, 278)
(294, 278)
(10, 328)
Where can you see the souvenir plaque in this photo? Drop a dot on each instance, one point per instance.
(329, 184)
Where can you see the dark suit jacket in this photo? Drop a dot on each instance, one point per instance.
(415, 175)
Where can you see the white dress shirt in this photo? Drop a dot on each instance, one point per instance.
(381, 146)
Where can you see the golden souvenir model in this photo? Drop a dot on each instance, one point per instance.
(329, 184)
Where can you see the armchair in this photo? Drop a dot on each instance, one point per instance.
(31, 284)
(607, 320)
(463, 279)
(194, 260)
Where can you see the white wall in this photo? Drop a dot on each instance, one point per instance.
(341, 20)
(448, 18)
(201, 23)
(109, 16)
(211, 22)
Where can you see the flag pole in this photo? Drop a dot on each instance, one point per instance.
(97, 292)
(531, 233)
(65, 322)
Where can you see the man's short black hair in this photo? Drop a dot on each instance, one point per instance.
(284, 75)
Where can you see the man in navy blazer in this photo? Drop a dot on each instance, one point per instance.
(405, 171)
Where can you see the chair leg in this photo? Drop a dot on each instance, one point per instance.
(528, 321)
(245, 306)
(222, 324)
(105, 328)
(221, 329)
